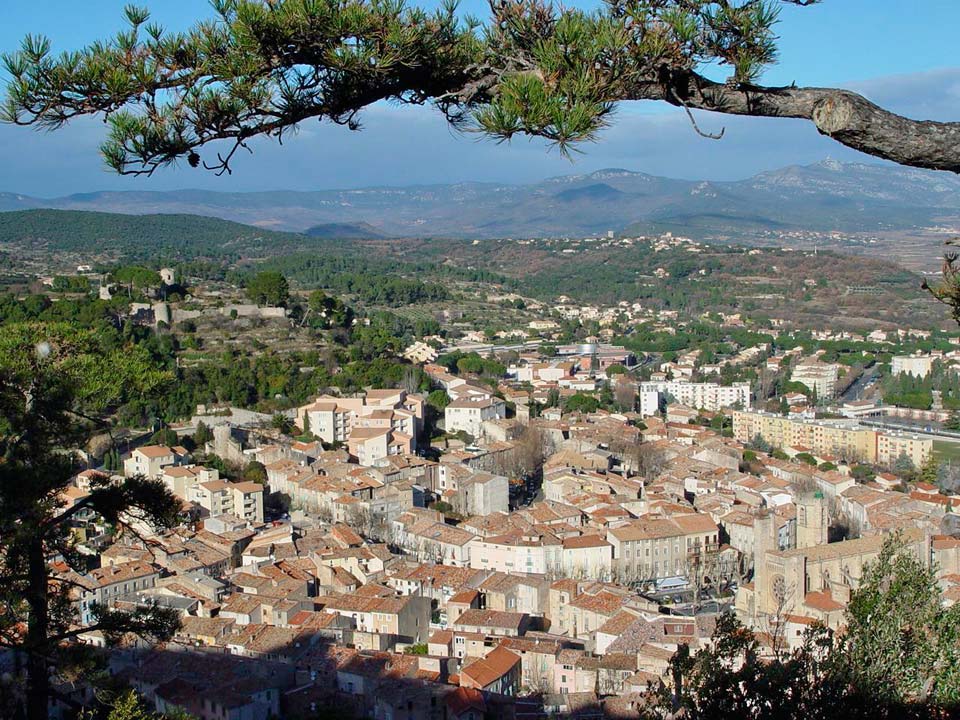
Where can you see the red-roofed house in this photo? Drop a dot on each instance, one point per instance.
(498, 672)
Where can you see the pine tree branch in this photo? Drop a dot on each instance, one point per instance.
(266, 66)
(842, 115)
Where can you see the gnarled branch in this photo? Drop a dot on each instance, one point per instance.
(264, 66)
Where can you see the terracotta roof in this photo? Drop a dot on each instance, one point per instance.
(618, 624)
(676, 526)
(120, 573)
(494, 666)
(441, 637)
(584, 541)
(604, 603)
(154, 451)
(464, 597)
(247, 487)
(490, 618)
(181, 471)
(822, 601)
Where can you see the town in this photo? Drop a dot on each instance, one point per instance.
(518, 526)
(507, 360)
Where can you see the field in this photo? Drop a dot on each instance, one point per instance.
(946, 450)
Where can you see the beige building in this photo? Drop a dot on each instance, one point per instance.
(386, 422)
(435, 542)
(814, 581)
(587, 557)
(180, 479)
(891, 445)
(404, 618)
(663, 547)
(473, 492)
(844, 438)
(419, 353)
(738, 526)
(372, 445)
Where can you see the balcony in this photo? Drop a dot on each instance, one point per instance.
(707, 548)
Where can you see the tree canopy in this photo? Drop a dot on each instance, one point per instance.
(263, 66)
(54, 382)
(268, 288)
(896, 658)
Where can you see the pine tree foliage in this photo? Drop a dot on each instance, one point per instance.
(262, 67)
(259, 69)
(54, 381)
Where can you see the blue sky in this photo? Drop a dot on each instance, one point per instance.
(899, 54)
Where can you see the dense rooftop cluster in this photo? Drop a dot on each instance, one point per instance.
(549, 558)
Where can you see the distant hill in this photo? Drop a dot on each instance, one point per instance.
(826, 196)
(812, 287)
(599, 192)
(11, 201)
(182, 235)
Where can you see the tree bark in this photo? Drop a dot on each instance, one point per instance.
(842, 115)
(38, 626)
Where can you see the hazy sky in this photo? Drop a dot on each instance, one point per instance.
(900, 54)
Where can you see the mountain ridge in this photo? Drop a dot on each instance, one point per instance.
(824, 196)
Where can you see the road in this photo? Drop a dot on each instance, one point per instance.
(680, 602)
(864, 384)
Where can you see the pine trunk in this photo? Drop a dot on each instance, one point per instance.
(38, 674)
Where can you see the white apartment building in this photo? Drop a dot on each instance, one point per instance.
(388, 421)
(468, 413)
(916, 365)
(218, 497)
(711, 397)
(150, 460)
(516, 553)
(819, 377)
